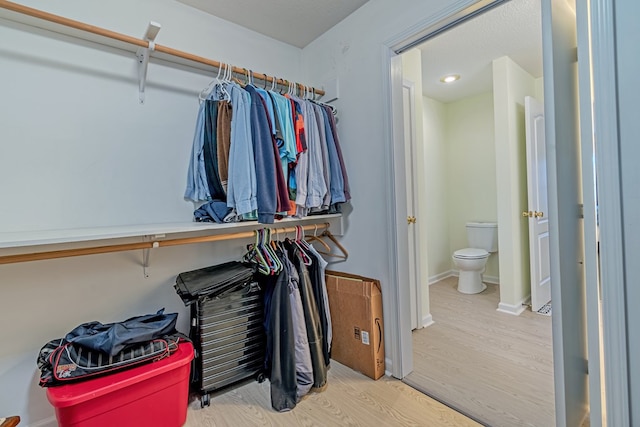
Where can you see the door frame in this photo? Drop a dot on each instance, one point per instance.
(612, 270)
(401, 346)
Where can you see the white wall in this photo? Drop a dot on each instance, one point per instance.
(471, 169)
(436, 195)
(77, 149)
(84, 151)
(460, 163)
(412, 71)
(511, 84)
(352, 51)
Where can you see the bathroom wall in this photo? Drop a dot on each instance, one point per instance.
(470, 169)
(412, 71)
(539, 89)
(511, 84)
(435, 165)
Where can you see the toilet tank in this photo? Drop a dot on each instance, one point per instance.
(483, 235)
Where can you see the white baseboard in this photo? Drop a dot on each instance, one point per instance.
(47, 422)
(388, 367)
(491, 279)
(514, 310)
(441, 276)
(427, 321)
(454, 273)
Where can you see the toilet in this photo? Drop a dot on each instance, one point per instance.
(482, 238)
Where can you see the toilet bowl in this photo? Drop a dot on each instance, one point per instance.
(470, 262)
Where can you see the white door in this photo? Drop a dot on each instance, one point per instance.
(409, 130)
(538, 212)
(566, 246)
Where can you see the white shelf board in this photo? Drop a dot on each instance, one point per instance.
(51, 237)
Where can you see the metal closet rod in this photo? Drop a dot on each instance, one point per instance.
(78, 25)
(66, 253)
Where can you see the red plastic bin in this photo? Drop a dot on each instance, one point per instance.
(155, 394)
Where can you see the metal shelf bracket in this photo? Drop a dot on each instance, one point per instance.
(143, 57)
(146, 253)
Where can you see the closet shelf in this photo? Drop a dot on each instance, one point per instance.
(37, 246)
(54, 237)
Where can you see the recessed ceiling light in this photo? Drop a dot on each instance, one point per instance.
(450, 78)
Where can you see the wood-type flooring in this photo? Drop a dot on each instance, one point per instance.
(495, 367)
(351, 399)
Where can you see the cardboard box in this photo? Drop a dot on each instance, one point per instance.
(356, 316)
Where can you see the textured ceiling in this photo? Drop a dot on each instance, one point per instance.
(296, 22)
(513, 29)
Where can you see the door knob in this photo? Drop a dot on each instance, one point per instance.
(411, 220)
(538, 214)
(527, 214)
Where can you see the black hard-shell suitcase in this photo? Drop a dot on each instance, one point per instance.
(227, 330)
(230, 339)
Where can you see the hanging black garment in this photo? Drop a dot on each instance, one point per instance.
(315, 274)
(282, 373)
(312, 319)
(304, 364)
(211, 150)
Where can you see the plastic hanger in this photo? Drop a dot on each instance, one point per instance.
(250, 78)
(255, 257)
(315, 238)
(277, 261)
(263, 252)
(344, 253)
(301, 245)
(204, 93)
(272, 259)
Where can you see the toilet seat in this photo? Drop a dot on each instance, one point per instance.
(471, 253)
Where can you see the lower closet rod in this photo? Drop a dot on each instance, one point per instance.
(65, 253)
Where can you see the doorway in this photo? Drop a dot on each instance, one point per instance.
(565, 185)
(472, 132)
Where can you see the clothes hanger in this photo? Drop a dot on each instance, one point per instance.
(315, 238)
(301, 245)
(264, 253)
(254, 256)
(227, 73)
(204, 93)
(278, 262)
(274, 260)
(285, 89)
(344, 253)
